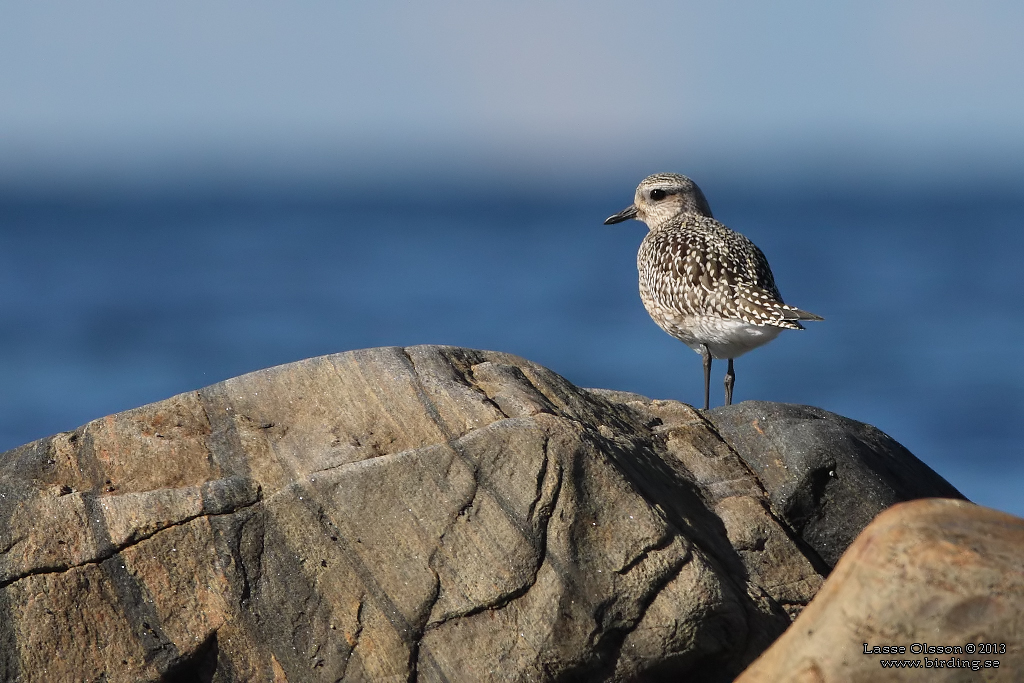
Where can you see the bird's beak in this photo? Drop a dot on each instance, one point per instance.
(624, 215)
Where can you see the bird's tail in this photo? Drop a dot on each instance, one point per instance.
(796, 314)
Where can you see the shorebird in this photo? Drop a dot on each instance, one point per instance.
(706, 285)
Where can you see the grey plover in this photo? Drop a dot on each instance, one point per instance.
(706, 285)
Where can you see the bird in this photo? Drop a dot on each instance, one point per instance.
(703, 283)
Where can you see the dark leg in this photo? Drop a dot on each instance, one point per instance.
(730, 382)
(706, 353)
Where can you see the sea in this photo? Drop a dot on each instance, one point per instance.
(113, 300)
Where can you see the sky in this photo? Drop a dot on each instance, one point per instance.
(127, 93)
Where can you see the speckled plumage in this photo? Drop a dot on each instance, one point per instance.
(701, 282)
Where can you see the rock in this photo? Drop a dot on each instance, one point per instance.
(937, 578)
(430, 513)
(827, 476)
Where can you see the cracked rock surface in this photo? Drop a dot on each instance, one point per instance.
(419, 514)
(939, 584)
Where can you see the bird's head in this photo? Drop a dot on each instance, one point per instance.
(663, 196)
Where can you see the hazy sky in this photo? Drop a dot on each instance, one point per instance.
(126, 88)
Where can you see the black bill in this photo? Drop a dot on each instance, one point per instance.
(624, 215)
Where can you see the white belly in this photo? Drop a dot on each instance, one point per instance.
(726, 338)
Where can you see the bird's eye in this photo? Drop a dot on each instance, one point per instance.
(658, 195)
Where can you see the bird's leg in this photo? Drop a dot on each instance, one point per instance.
(705, 352)
(730, 382)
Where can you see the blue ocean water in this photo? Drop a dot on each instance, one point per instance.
(111, 302)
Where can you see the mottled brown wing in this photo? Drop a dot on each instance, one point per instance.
(714, 272)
